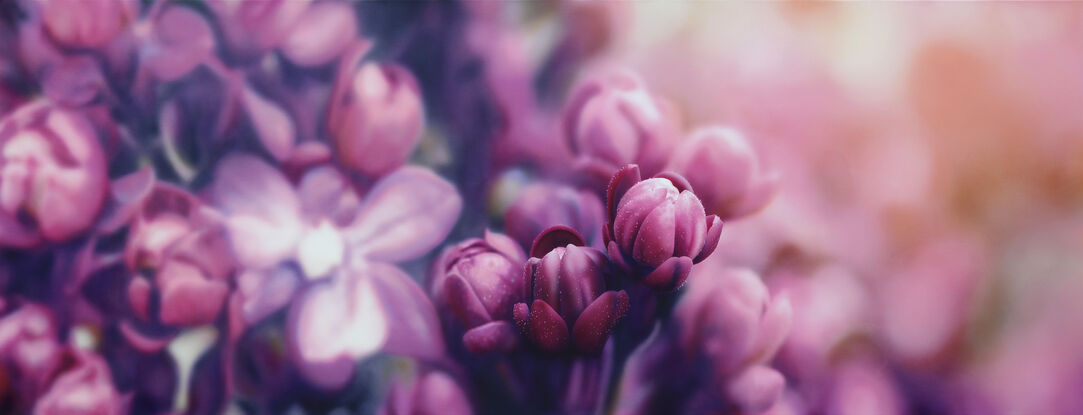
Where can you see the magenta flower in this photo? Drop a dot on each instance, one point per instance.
(352, 301)
(30, 352)
(85, 389)
(79, 24)
(478, 281)
(542, 205)
(614, 120)
(321, 34)
(254, 27)
(183, 245)
(657, 227)
(375, 115)
(566, 301)
(52, 175)
(725, 171)
(428, 393)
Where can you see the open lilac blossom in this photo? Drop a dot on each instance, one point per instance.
(426, 393)
(86, 388)
(52, 174)
(725, 171)
(478, 281)
(543, 205)
(375, 115)
(566, 303)
(324, 230)
(657, 227)
(613, 120)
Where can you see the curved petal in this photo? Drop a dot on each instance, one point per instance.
(655, 241)
(464, 301)
(670, 275)
(405, 215)
(623, 180)
(547, 329)
(413, 328)
(756, 389)
(494, 336)
(555, 237)
(714, 232)
(271, 123)
(594, 325)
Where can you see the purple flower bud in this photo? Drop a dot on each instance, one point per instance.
(657, 227)
(614, 120)
(478, 281)
(724, 169)
(52, 175)
(177, 41)
(566, 302)
(187, 250)
(78, 24)
(375, 115)
(255, 27)
(432, 393)
(543, 205)
(731, 319)
(85, 389)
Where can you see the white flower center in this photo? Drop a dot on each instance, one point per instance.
(320, 251)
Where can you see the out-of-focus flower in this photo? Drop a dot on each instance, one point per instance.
(85, 389)
(567, 303)
(725, 172)
(252, 28)
(52, 174)
(429, 393)
(80, 24)
(614, 120)
(478, 281)
(179, 240)
(375, 115)
(543, 205)
(176, 39)
(657, 227)
(321, 34)
(354, 302)
(30, 352)
(713, 357)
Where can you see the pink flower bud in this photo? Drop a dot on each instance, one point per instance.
(375, 116)
(724, 170)
(85, 389)
(544, 205)
(52, 175)
(614, 120)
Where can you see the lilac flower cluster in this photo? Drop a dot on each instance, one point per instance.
(292, 206)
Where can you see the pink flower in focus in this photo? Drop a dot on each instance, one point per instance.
(52, 175)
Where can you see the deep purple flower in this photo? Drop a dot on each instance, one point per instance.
(52, 174)
(428, 393)
(614, 120)
(79, 24)
(85, 389)
(375, 115)
(566, 300)
(725, 171)
(543, 205)
(478, 281)
(657, 227)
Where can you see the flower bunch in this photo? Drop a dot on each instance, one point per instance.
(288, 206)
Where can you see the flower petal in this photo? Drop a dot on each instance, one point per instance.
(594, 325)
(404, 216)
(494, 336)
